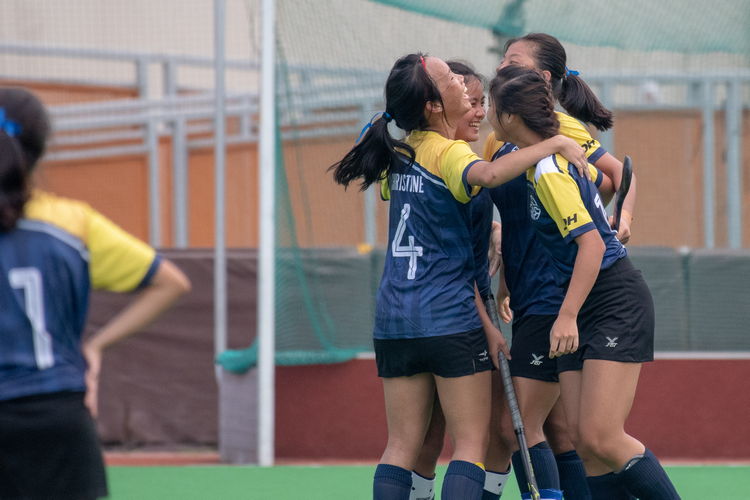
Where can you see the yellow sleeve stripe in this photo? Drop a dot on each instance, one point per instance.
(455, 162)
(560, 196)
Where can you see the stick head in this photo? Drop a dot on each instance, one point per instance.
(622, 191)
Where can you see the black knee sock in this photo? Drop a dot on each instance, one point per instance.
(463, 480)
(391, 483)
(545, 469)
(572, 476)
(645, 479)
(608, 487)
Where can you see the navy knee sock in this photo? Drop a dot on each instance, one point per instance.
(608, 487)
(572, 476)
(545, 471)
(463, 480)
(645, 479)
(391, 483)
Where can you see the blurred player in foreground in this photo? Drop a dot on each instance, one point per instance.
(52, 251)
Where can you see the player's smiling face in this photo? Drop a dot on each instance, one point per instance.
(451, 87)
(520, 53)
(468, 127)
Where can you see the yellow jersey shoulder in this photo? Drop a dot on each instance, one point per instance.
(65, 213)
(491, 145)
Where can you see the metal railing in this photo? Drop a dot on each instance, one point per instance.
(318, 101)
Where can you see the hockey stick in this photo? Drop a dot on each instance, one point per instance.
(515, 413)
(622, 191)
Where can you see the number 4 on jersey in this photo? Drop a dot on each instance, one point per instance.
(411, 251)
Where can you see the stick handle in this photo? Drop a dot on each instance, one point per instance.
(515, 412)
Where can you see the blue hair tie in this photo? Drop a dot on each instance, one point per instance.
(9, 127)
(571, 72)
(367, 126)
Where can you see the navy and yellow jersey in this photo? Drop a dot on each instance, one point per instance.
(569, 127)
(481, 229)
(528, 266)
(57, 252)
(427, 288)
(562, 206)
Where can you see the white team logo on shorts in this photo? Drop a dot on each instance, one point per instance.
(534, 208)
(483, 356)
(612, 342)
(537, 360)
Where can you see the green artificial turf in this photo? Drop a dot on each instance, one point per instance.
(228, 482)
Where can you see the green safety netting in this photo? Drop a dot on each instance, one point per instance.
(668, 25)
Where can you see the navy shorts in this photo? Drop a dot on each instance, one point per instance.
(455, 355)
(530, 348)
(616, 322)
(49, 449)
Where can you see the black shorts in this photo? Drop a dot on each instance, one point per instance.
(454, 355)
(49, 449)
(529, 351)
(616, 322)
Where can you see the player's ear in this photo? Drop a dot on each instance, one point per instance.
(508, 118)
(434, 107)
(547, 75)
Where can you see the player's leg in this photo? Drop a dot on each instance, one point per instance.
(423, 475)
(570, 396)
(618, 321)
(535, 400)
(602, 481)
(569, 464)
(462, 375)
(607, 393)
(466, 405)
(409, 390)
(501, 444)
(535, 380)
(408, 406)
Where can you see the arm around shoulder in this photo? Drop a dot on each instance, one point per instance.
(511, 165)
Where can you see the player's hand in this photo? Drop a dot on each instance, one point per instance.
(93, 357)
(563, 338)
(496, 343)
(623, 232)
(495, 252)
(575, 154)
(503, 308)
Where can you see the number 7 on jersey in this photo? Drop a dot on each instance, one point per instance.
(29, 279)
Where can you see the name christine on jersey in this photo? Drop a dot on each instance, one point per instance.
(406, 182)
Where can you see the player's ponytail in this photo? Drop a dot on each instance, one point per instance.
(407, 90)
(14, 191)
(570, 90)
(580, 101)
(26, 111)
(24, 127)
